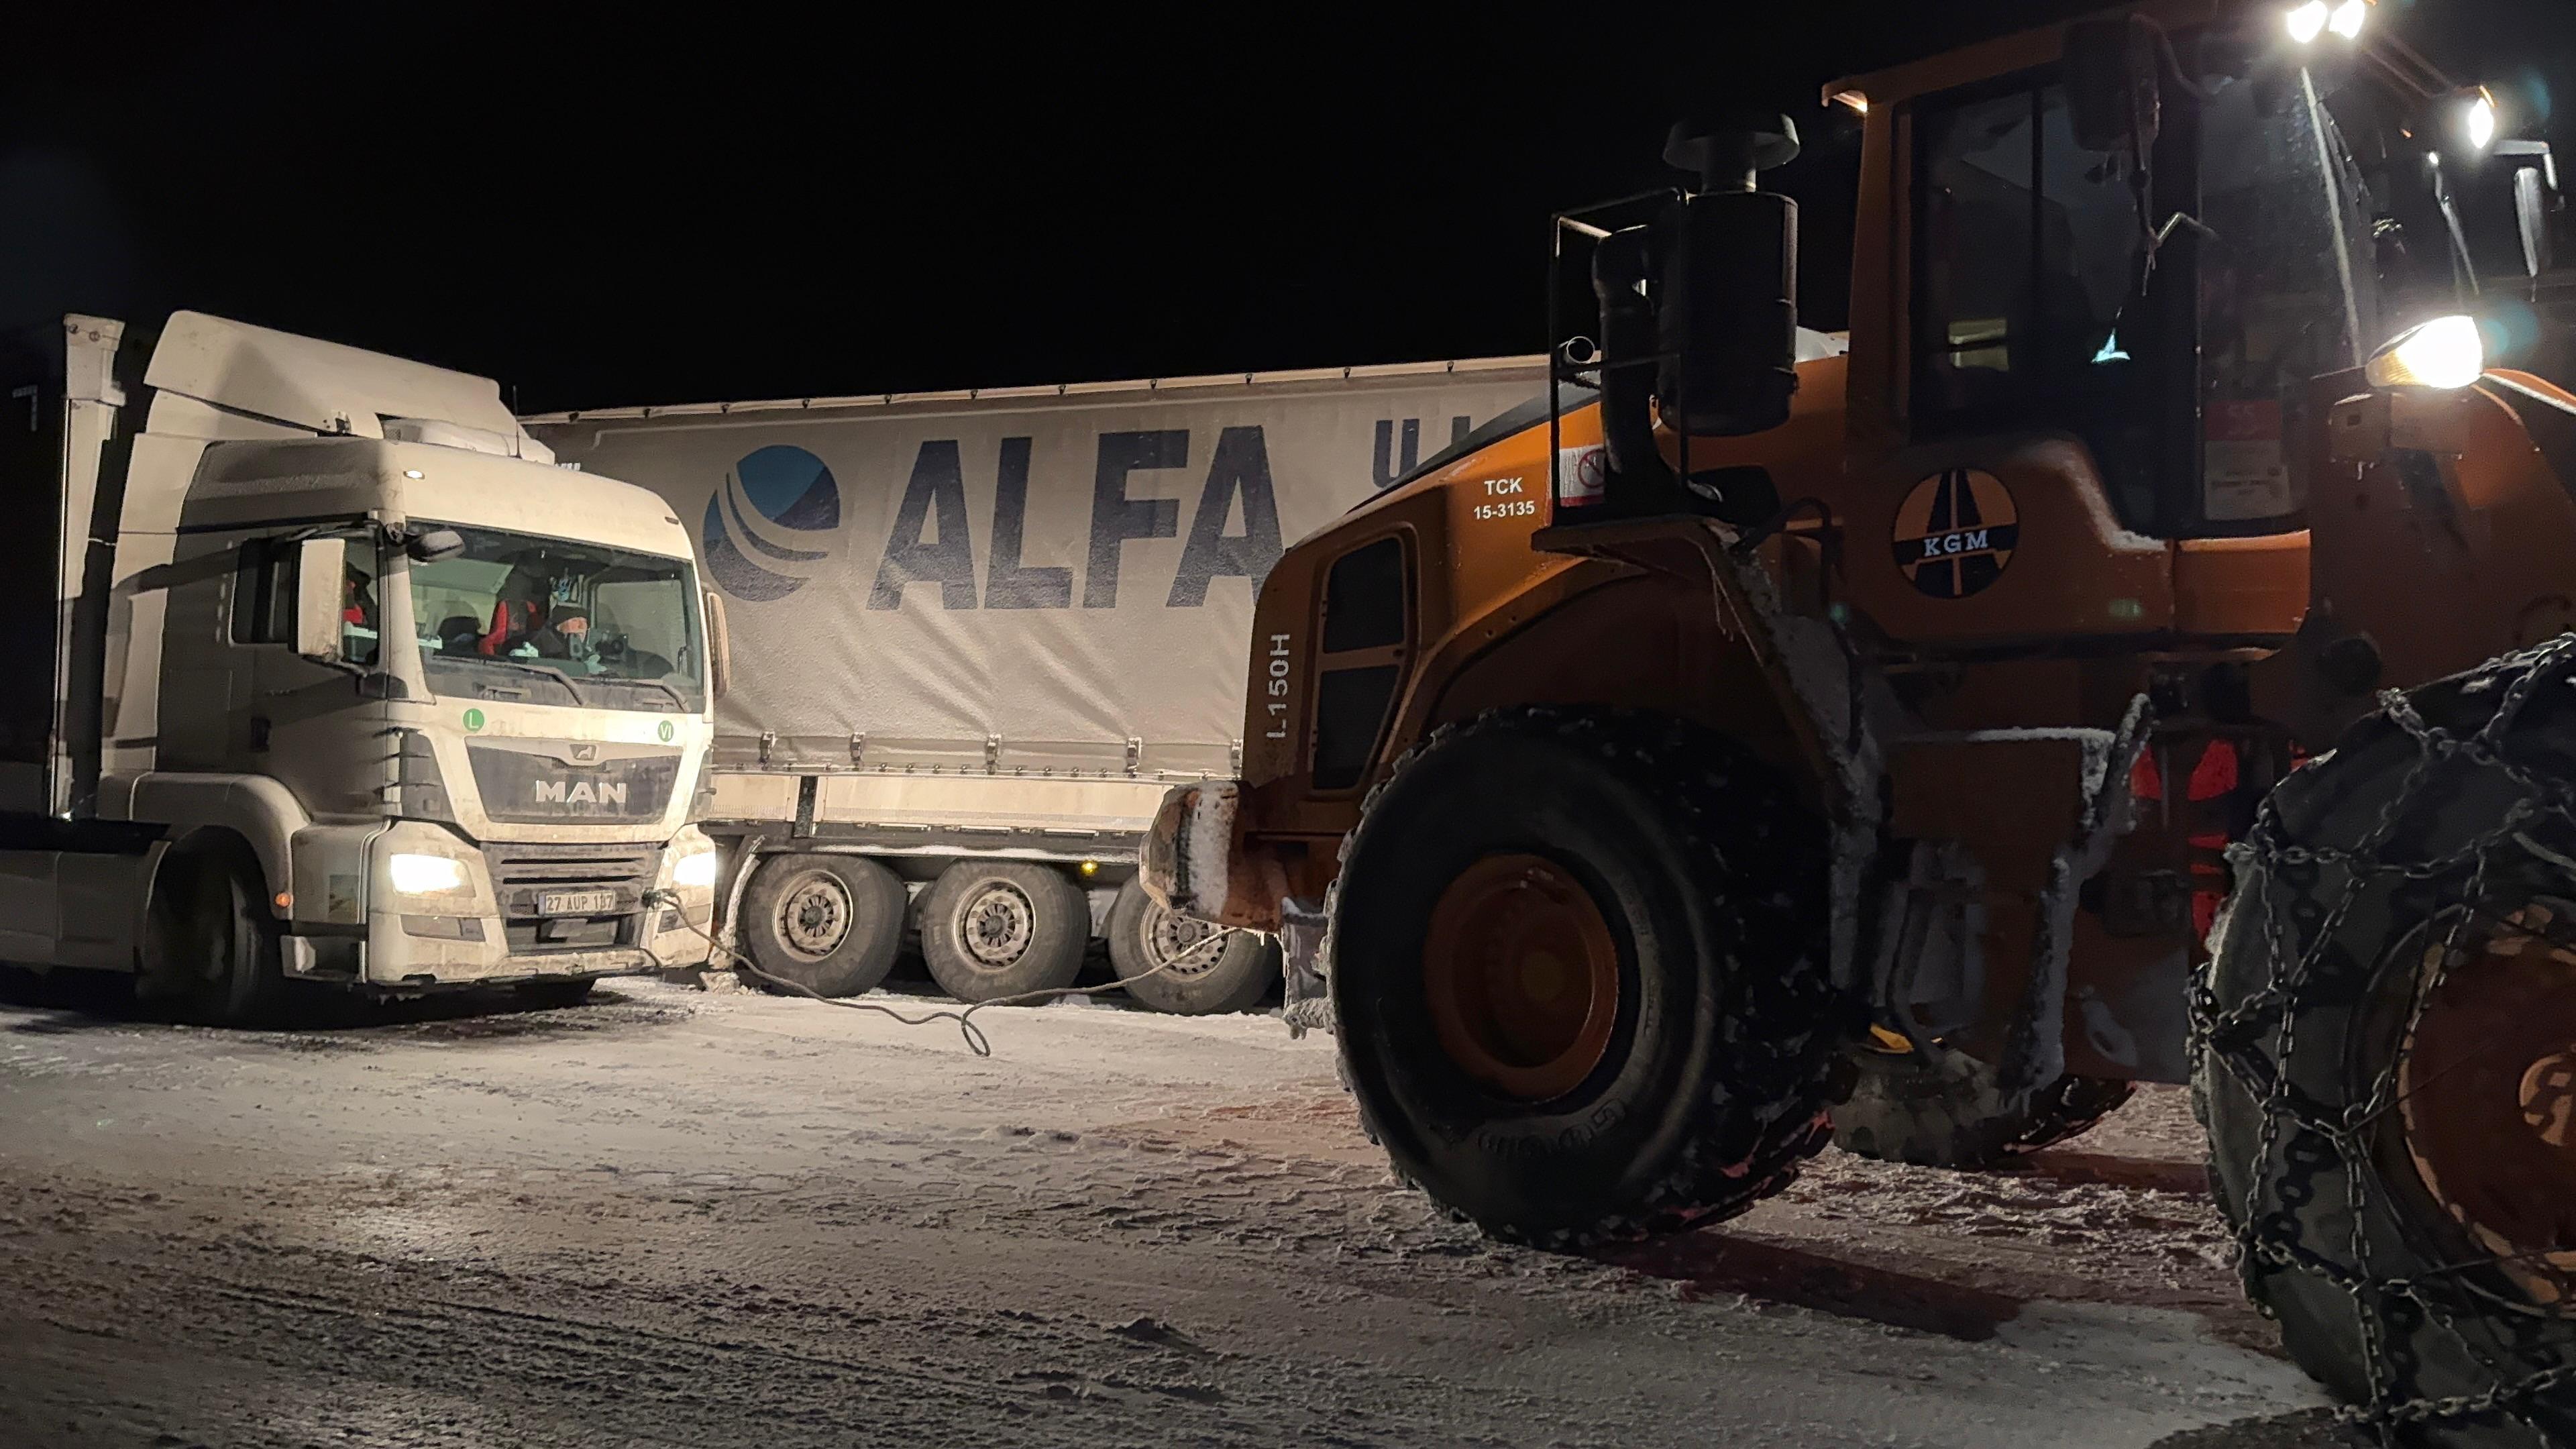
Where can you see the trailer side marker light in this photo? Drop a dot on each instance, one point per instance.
(1090, 867)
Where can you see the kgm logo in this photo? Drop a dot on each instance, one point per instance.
(771, 522)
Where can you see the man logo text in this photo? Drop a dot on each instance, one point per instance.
(580, 792)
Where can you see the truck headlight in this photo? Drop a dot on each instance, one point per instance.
(2444, 353)
(696, 870)
(424, 875)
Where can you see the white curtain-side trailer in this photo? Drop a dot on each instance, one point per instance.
(976, 635)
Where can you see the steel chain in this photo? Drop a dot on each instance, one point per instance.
(2320, 1139)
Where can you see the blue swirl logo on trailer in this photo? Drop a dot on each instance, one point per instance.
(751, 533)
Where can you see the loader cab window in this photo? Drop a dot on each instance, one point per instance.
(2030, 315)
(2028, 249)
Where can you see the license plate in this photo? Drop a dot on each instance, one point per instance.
(576, 903)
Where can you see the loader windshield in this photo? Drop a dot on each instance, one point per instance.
(2286, 286)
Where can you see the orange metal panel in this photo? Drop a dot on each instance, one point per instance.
(2238, 587)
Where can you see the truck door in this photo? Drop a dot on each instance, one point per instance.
(312, 726)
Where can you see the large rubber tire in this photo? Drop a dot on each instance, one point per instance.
(1943, 1109)
(997, 928)
(1184, 967)
(2379, 1292)
(223, 964)
(828, 923)
(1711, 1084)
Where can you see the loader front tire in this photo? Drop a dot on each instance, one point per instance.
(1578, 961)
(2388, 1061)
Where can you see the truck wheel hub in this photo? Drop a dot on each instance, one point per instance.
(814, 916)
(997, 925)
(1181, 945)
(2486, 1096)
(1521, 976)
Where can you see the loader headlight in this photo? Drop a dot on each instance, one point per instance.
(2347, 18)
(2308, 21)
(424, 875)
(2444, 353)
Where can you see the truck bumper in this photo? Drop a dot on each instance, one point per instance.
(415, 951)
(1193, 860)
(478, 922)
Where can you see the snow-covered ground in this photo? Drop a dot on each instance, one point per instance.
(701, 1219)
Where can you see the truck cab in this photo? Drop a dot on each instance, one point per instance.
(351, 683)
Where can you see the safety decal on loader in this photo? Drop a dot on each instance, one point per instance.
(1955, 532)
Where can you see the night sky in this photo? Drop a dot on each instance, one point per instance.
(604, 206)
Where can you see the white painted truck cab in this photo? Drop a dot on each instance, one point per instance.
(349, 681)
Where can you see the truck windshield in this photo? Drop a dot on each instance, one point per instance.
(551, 621)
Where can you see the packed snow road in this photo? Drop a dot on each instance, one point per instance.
(684, 1218)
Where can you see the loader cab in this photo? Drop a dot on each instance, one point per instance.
(2160, 290)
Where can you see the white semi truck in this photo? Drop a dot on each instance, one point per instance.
(324, 672)
(978, 634)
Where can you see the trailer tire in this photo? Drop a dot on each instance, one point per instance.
(1184, 967)
(223, 964)
(828, 923)
(996, 928)
(2383, 1060)
(1948, 1111)
(1533, 866)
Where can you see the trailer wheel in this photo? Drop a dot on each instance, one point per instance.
(1945, 1110)
(222, 965)
(828, 923)
(1196, 969)
(2387, 1060)
(995, 928)
(1578, 963)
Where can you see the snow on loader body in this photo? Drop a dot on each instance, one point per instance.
(1768, 728)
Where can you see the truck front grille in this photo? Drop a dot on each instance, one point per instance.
(524, 876)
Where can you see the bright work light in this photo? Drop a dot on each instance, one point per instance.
(2479, 121)
(2307, 21)
(2347, 18)
(2444, 353)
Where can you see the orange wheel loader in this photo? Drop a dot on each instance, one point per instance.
(2133, 653)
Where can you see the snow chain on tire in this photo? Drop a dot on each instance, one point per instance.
(2304, 893)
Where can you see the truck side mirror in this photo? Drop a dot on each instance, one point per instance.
(436, 544)
(321, 566)
(719, 647)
